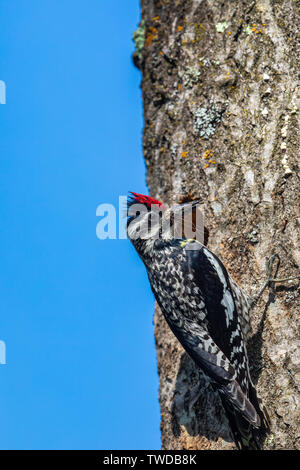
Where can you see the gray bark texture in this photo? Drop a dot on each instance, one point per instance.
(221, 93)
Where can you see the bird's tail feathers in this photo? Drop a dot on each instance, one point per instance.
(244, 435)
(233, 393)
(247, 420)
(260, 409)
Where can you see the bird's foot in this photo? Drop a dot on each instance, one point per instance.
(270, 279)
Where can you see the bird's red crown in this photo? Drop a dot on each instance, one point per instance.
(147, 200)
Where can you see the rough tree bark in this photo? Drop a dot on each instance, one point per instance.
(221, 105)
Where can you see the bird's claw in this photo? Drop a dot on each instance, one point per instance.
(271, 279)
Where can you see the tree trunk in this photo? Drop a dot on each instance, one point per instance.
(221, 97)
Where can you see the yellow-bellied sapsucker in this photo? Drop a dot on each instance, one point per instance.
(206, 310)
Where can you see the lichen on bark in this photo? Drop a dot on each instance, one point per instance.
(221, 112)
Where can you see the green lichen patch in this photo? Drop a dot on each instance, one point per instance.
(247, 29)
(190, 76)
(252, 237)
(206, 119)
(270, 440)
(139, 39)
(221, 27)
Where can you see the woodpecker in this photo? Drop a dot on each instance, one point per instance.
(204, 307)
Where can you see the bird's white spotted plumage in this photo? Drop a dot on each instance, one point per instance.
(209, 314)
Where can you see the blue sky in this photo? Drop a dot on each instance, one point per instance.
(75, 312)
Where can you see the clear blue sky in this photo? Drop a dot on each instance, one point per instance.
(75, 312)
